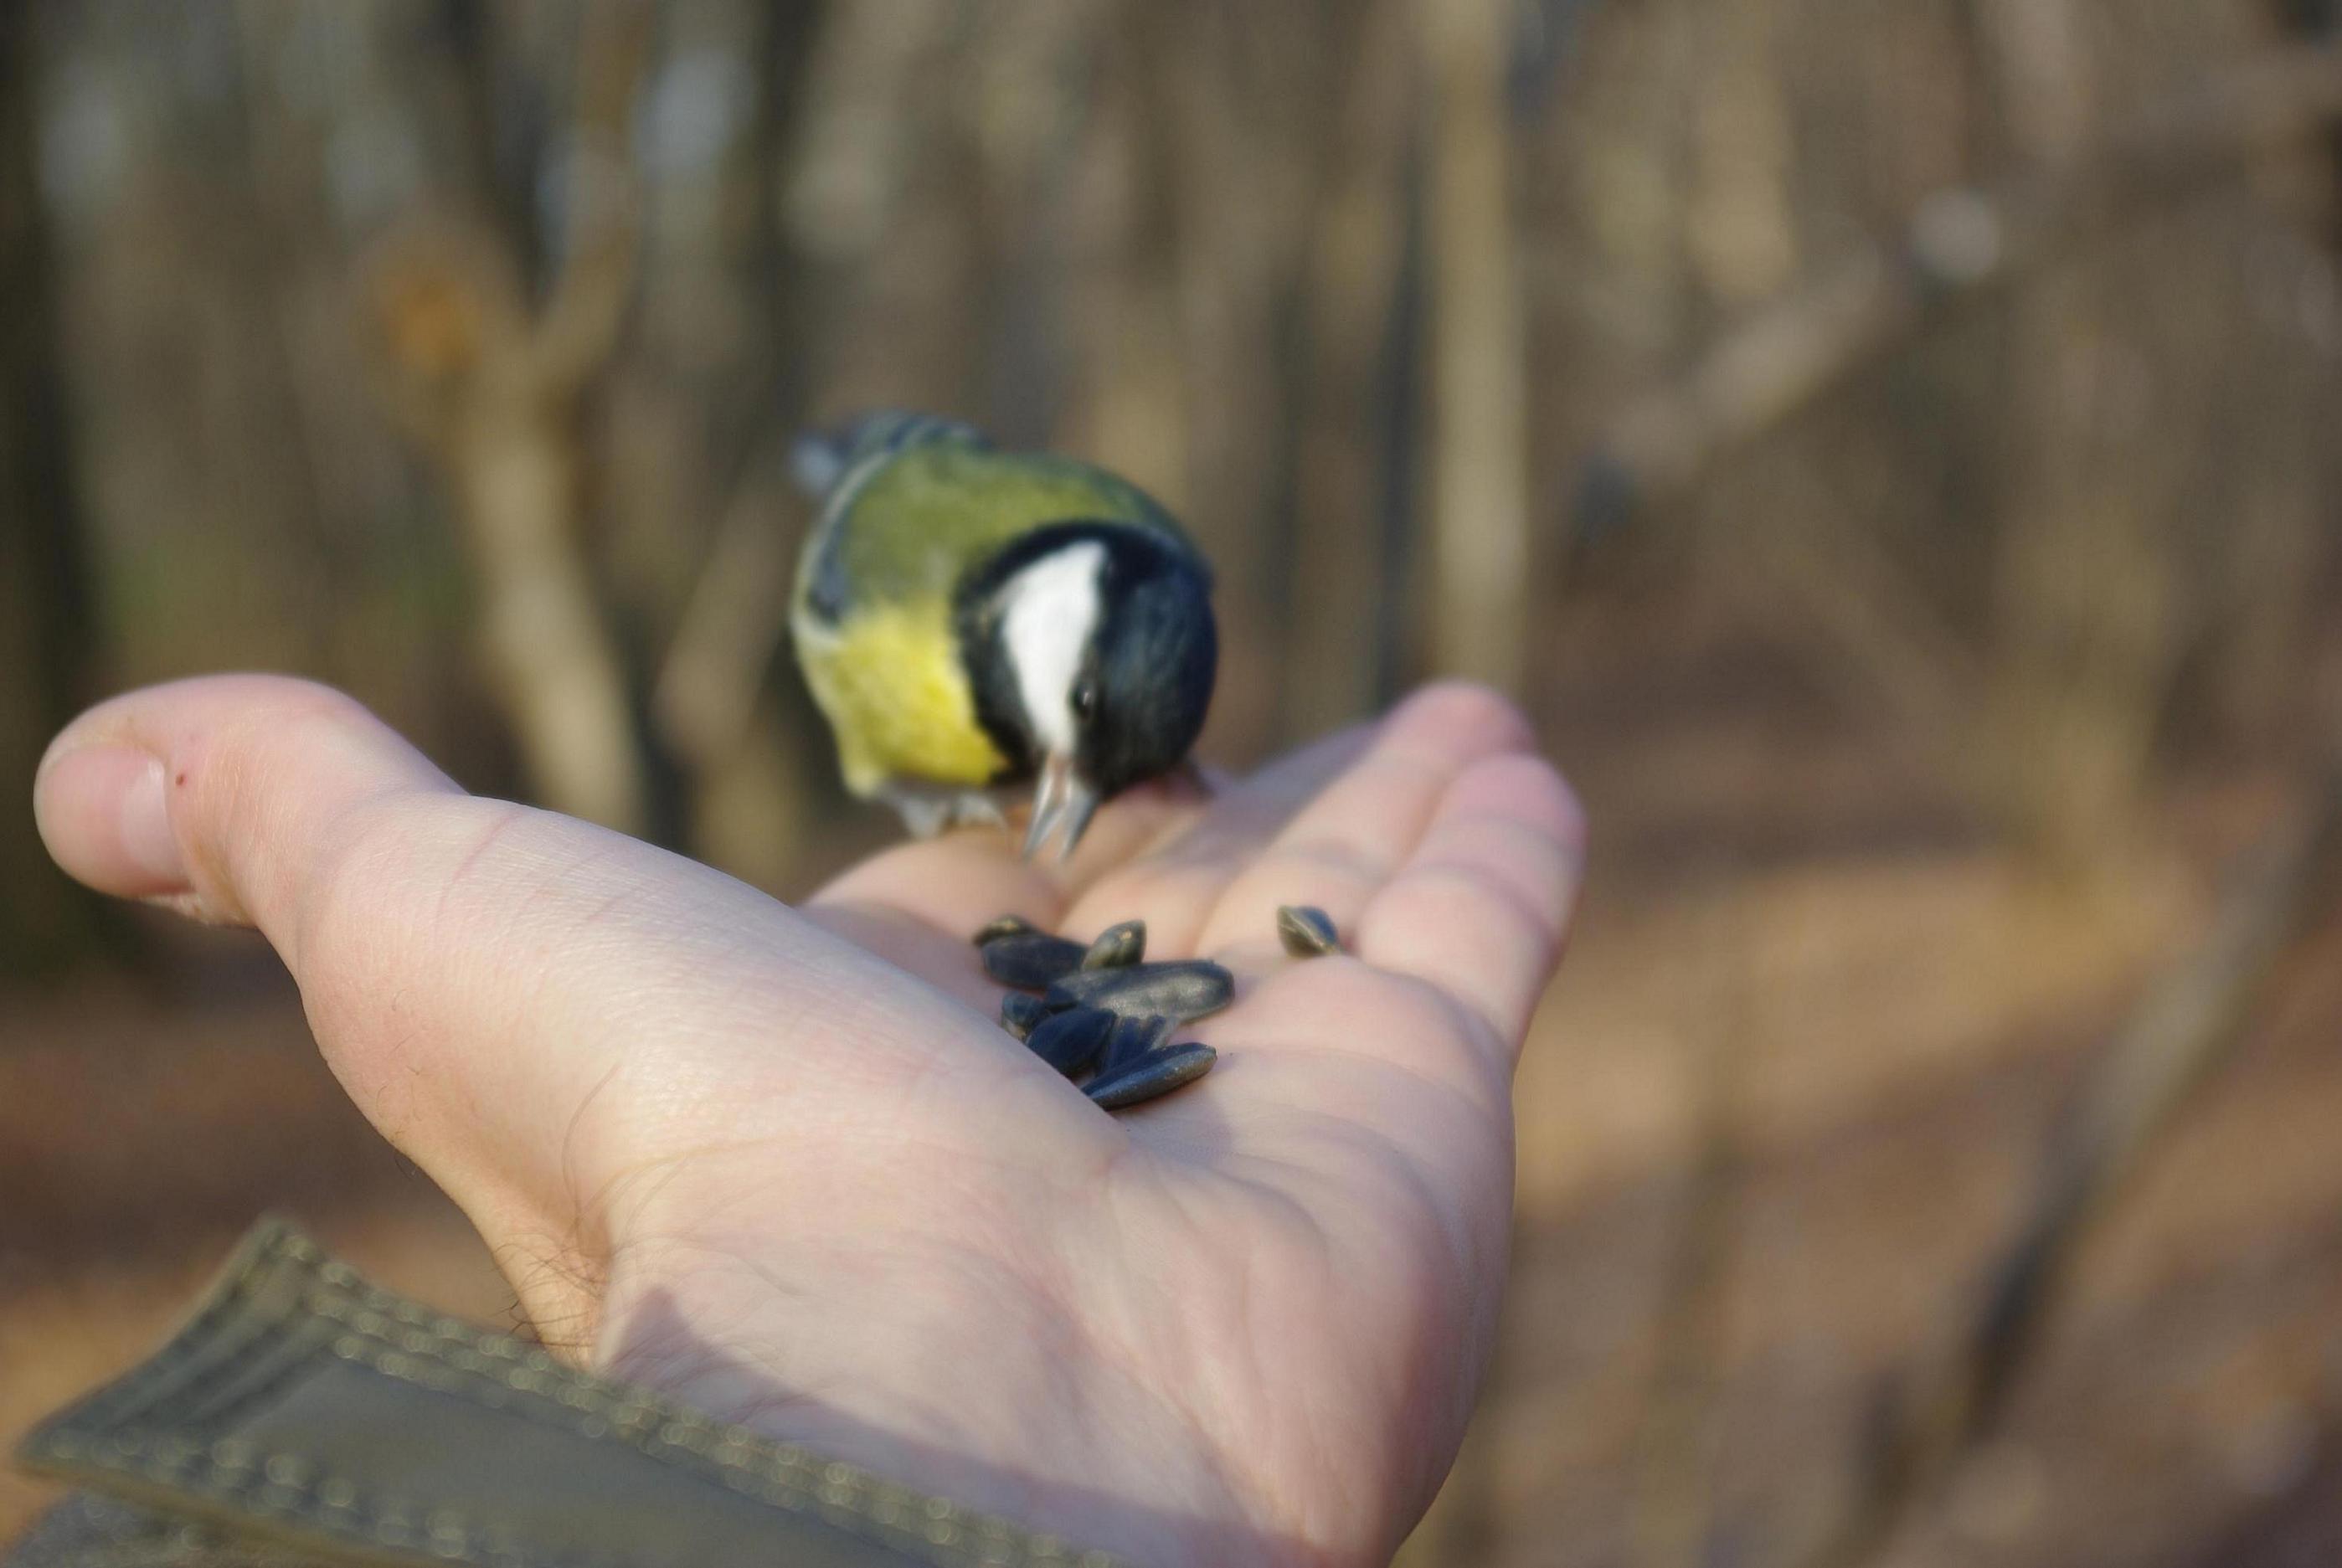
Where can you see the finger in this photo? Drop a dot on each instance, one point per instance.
(1175, 881)
(1154, 854)
(1338, 1080)
(955, 883)
(1339, 850)
(918, 903)
(1480, 908)
(1246, 813)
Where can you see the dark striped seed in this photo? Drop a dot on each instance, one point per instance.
(1030, 960)
(1021, 1013)
(1118, 946)
(1007, 926)
(1183, 991)
(1307, 931)
(1070, 1041)
(1156, 1073)
(1132, 1039)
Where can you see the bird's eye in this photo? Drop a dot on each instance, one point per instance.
(1085, 702)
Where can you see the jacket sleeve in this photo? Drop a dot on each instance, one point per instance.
(302, 1415)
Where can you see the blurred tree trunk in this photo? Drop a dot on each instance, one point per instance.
(1479, 514)
(1739, 225)
(492, 389)
(1229, 91)
(44, 630)
(1132, 414)
(1352, 297)
(2083, 593)
(730, 725)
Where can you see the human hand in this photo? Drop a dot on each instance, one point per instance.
(783, 1163)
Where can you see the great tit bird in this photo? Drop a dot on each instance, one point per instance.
(973, 620)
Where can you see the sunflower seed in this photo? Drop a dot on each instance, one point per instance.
(1030, 960)
(1118, 946)
(1132, 1039)
(1005, 925)
(1307, 931)
(1021, 1013)
(1156, 1073)
(1070, 1041)
(1183, 990)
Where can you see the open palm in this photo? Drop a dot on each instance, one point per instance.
(782, 1162)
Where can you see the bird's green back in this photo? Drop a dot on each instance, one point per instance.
(903, 528)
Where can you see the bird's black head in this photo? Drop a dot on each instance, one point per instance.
(1147, 682)
(1092, 650)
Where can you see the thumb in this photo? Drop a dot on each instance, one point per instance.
(530, 1007)
(215, 796)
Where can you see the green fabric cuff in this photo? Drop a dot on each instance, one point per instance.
(305, 1413)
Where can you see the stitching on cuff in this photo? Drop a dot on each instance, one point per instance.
(439, 1352)
(397, 1338)
(285, 1487)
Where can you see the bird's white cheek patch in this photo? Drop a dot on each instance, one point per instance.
(1052, 608)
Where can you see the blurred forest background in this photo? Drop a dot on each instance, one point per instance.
(1894, 451)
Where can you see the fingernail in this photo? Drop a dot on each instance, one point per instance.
(146, 825)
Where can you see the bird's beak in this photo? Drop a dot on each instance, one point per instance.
(1060, 798)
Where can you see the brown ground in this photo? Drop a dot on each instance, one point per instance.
(1781, 922)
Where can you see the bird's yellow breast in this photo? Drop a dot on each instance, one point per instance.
(890, 681)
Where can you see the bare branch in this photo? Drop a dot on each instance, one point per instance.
(2179, 1036)
(580, 328)
(491, 394)
(1872, 635)
(1959, 246)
